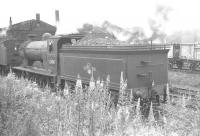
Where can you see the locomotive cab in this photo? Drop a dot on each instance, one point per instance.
(54, 44)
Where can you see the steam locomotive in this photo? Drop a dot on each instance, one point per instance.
(33, 51)
(59, 59)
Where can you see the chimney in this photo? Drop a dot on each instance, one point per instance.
(10, 22)
(57, 16)
(57, 22)
(37, 16)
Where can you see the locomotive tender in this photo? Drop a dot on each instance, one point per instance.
(60, 59)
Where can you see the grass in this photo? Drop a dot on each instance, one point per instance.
(28, 111)
(184, 79)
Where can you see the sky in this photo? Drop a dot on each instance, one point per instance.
(185, 14)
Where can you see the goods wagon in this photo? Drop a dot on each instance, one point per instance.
(144, 66)
(9, 52)
(184, 56)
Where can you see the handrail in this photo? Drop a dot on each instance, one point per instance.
(135, 47)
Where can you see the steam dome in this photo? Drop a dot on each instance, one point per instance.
(46, 36)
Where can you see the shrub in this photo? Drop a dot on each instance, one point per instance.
(26, 110)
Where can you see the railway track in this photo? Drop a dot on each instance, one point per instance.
(185, 67)
(185, 70)
(177, 91)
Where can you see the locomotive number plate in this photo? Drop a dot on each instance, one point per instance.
(52, 59)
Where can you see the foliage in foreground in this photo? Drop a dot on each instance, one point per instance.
(26, 110)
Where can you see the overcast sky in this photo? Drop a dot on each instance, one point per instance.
(125, 13)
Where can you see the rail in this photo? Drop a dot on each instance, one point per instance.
(180, 92)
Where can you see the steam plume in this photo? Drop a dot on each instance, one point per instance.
(157, 25)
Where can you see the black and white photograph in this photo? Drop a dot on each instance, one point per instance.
(100, 68)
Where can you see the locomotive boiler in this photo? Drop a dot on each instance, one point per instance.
(34, 51)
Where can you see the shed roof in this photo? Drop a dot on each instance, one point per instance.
(32, 24)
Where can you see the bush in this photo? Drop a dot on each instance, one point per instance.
(26, 110)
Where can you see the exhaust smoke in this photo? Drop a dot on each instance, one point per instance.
(157, 24)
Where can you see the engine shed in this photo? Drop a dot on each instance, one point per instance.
(33, 28)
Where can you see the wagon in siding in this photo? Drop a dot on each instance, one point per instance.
(9, 55)
(184, 56)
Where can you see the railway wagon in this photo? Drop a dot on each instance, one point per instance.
(9, 55)
(144, 66)
(184, 56)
